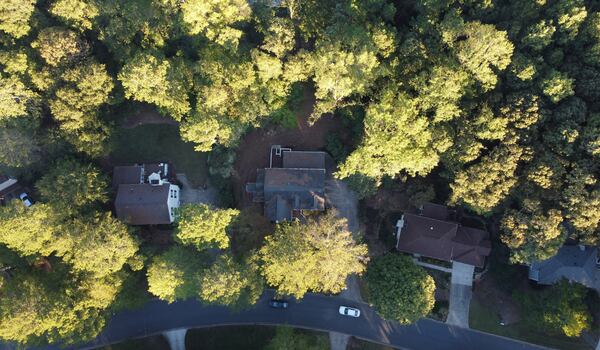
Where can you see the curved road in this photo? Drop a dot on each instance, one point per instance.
(314, 312)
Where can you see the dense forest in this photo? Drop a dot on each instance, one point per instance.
(497, 100)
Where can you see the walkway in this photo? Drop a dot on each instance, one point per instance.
(313, 312)
(460, 294)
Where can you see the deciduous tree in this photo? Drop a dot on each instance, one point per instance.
(399, 290)
(203, 227)
(317, 256)
(71, 186)
(175, 274)
(15, 15)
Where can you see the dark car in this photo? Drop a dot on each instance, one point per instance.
(278, 304)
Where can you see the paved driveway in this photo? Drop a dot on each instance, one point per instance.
(343, 199)
(460, 294)
(191, 195)
(313, 312)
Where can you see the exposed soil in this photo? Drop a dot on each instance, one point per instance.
(487, 292)
(147, 115)
(254, 149)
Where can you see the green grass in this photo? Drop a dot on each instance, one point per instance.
(159, 142)
(157, 342)
(229, 338)
(484, 319)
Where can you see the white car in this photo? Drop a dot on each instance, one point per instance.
(349, 311)
(26, 200)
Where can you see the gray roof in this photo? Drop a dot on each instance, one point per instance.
(143, 204)
(304, 159)
(575, 263)
(298, 185)
(130, 174)
(286, 190)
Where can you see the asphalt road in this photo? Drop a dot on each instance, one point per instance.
(314, 312)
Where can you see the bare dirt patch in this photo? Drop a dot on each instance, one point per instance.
(253, 152)
(488, 293)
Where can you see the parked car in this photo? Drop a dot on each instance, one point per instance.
(349, 311)
(278, 304)
(26, 200)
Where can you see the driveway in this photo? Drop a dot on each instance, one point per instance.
(317, 312)
(460, 294)
(191, 195)
(343, 199)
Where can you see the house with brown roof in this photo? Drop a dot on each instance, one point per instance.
(433, 234)
(293, 183)
(145, 195)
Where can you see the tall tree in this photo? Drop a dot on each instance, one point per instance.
(71, 186)
(397, 138)
(203, 227)
(15, 15)
(399, 289)
(318, 256)
(85, 89)
(149, 77)
(532, 234)
(216, 19)
(484, 185)
(231, 283)
(175, 274)
(60, 46)
(78, 13)
(559, 309)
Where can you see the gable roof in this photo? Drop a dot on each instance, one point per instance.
(298, 185)
(575, 263)
(286, 190)
(443, 240)
(130, 174)
(143, 204)
(303, 159)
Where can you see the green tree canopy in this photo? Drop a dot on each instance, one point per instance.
(231, 283)
(532, 234)
(559, 309)
(175, 274)
(397, 138)
(71, 186)
(203, 227)
(149, 77)
(85, 89)
(316, 256)
(60, 46)
(28, 231)
(287, 338)
(15, 15)
(99, 245)
(484, 185)
(399, 289)
(78, 13)
(215, 19)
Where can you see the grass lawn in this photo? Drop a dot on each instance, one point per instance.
(487, 320)
(157, 342)
(159, 142)
(229, 338)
